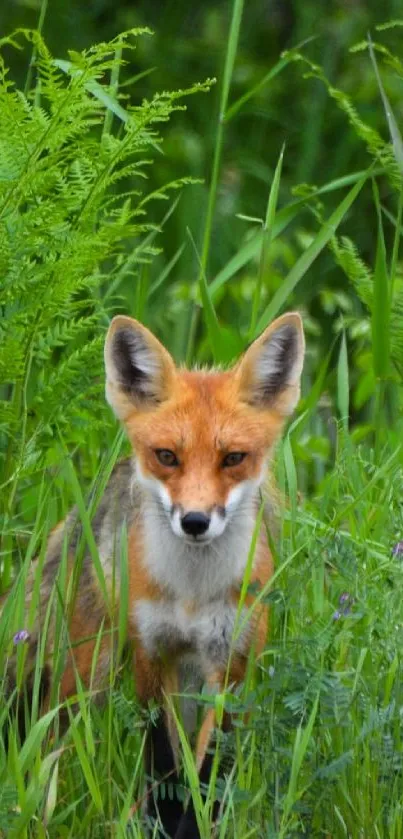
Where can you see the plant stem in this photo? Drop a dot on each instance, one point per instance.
(232, 45)
(41, 21)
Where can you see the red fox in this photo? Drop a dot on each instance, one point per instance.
(189, 499)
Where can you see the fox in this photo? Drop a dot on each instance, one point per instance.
(187, 504)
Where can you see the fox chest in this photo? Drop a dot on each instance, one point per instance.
(212, 632)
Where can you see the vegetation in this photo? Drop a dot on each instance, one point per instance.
(206, 227)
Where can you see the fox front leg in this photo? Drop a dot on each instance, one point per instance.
(156, 682)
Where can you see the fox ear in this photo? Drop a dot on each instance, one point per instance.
(139, 370)
(270, 371)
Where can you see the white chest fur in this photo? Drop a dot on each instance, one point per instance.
(195, 614)
(197, 573)
(210, 633)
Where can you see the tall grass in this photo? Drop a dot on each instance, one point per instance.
(316, 746)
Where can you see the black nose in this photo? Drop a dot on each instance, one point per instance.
(195, 524)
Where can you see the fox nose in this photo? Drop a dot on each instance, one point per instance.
(195, 524)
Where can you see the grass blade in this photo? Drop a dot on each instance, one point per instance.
(252, 248)
(291, 474)
(381, 303)
(266, 237)
(124, 592)
(343, 393)
(380, 323)
(239, 103)
(282, 219)
(213, 328)
(228, 70)
(166, 271)
(301, 742)
(89, 775)
(306, 259)
(396, 244)
(396, 137)
(232, 45)
(284, 61)
(35, 738)
(86, 525)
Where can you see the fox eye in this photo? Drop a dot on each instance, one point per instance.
(233, 459)
(166, 457)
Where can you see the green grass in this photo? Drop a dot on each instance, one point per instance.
(321, 753)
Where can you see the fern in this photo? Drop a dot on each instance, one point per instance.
(68, 232)
(361, 277)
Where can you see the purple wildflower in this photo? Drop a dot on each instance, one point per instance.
(398, 549)
(346, 601)
(21, 637)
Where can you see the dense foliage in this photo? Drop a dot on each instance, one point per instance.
(199, 222)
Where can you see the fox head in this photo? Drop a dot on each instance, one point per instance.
(202, 439)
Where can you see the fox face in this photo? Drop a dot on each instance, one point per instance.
(202, 439)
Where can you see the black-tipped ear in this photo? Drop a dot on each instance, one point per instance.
(138, 368)
(270, 371)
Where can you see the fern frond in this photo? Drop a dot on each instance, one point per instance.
(67, 230)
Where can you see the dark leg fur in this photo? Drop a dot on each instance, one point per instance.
(188, 828)
(160, 766)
